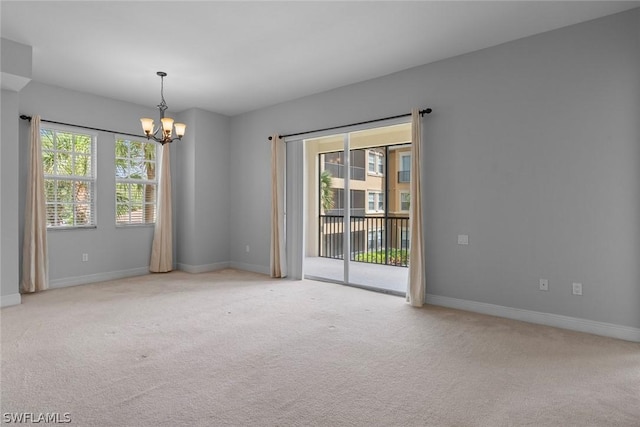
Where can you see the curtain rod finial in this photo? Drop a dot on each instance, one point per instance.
(25, 117)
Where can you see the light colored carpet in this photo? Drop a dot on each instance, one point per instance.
(240, 349)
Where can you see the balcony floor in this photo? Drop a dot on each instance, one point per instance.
(376, 276)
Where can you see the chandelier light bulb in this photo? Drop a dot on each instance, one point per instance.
(167, 125)
(147, 125)
(180, 128)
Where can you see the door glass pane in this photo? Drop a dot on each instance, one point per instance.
(374, 238)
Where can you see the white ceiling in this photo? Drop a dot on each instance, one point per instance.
(237, 56)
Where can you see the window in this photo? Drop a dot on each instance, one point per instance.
(375, 163)
(334, 163)
(404, 171)
(405, 201)
(380, 165)
(357, 165)
(357, 202)
(69, 177)
(135, 182)
(375, 201)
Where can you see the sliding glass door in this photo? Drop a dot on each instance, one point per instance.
(357, 226)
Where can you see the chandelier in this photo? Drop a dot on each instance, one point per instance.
(167, 123)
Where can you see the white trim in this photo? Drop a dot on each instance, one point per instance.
(204, 268)
(377, 195)
(9, 300)
(573, 323)
(250, 267)
(377, 162)
(346, 224)
(92, 179)
(133, 181)
(98, 277)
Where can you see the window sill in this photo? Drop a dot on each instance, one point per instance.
(146, 225)
(73, 228)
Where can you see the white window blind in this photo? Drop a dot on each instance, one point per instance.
(69, 173)
(136, 181)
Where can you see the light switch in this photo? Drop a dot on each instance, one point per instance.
(463, 239)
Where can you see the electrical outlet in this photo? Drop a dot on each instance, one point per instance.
(463, 239)
(85, 257)
(577, 289)
(544, 285)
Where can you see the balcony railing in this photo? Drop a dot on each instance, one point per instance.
(340, 212)
(375, 240)
(404, 176)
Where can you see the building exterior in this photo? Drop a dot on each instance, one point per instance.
(379, 201)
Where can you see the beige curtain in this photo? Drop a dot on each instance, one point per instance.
(416, 284)
(162, 249)
(35, 261)
(278, 258)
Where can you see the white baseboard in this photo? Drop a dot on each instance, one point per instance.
(98, 277)
(9, 300)
(250, 267)
(195, 269)
(573, 323)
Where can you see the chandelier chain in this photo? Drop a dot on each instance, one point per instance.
(163, 104)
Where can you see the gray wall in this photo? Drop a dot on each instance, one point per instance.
(9, 199)
(202, 192)
(113, 251)
(532, 150)
(200, 170)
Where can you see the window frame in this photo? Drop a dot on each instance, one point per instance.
(134, 181)
(404, 175)
(378, 199)
(91, 179)
(402, 193)
(380, 165)
(375, 163)
(371, 162)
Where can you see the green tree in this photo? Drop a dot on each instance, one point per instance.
(326, 195)
(67, 154)
(135, 160)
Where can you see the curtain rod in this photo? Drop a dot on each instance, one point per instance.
(28, 118)
(422, 113)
